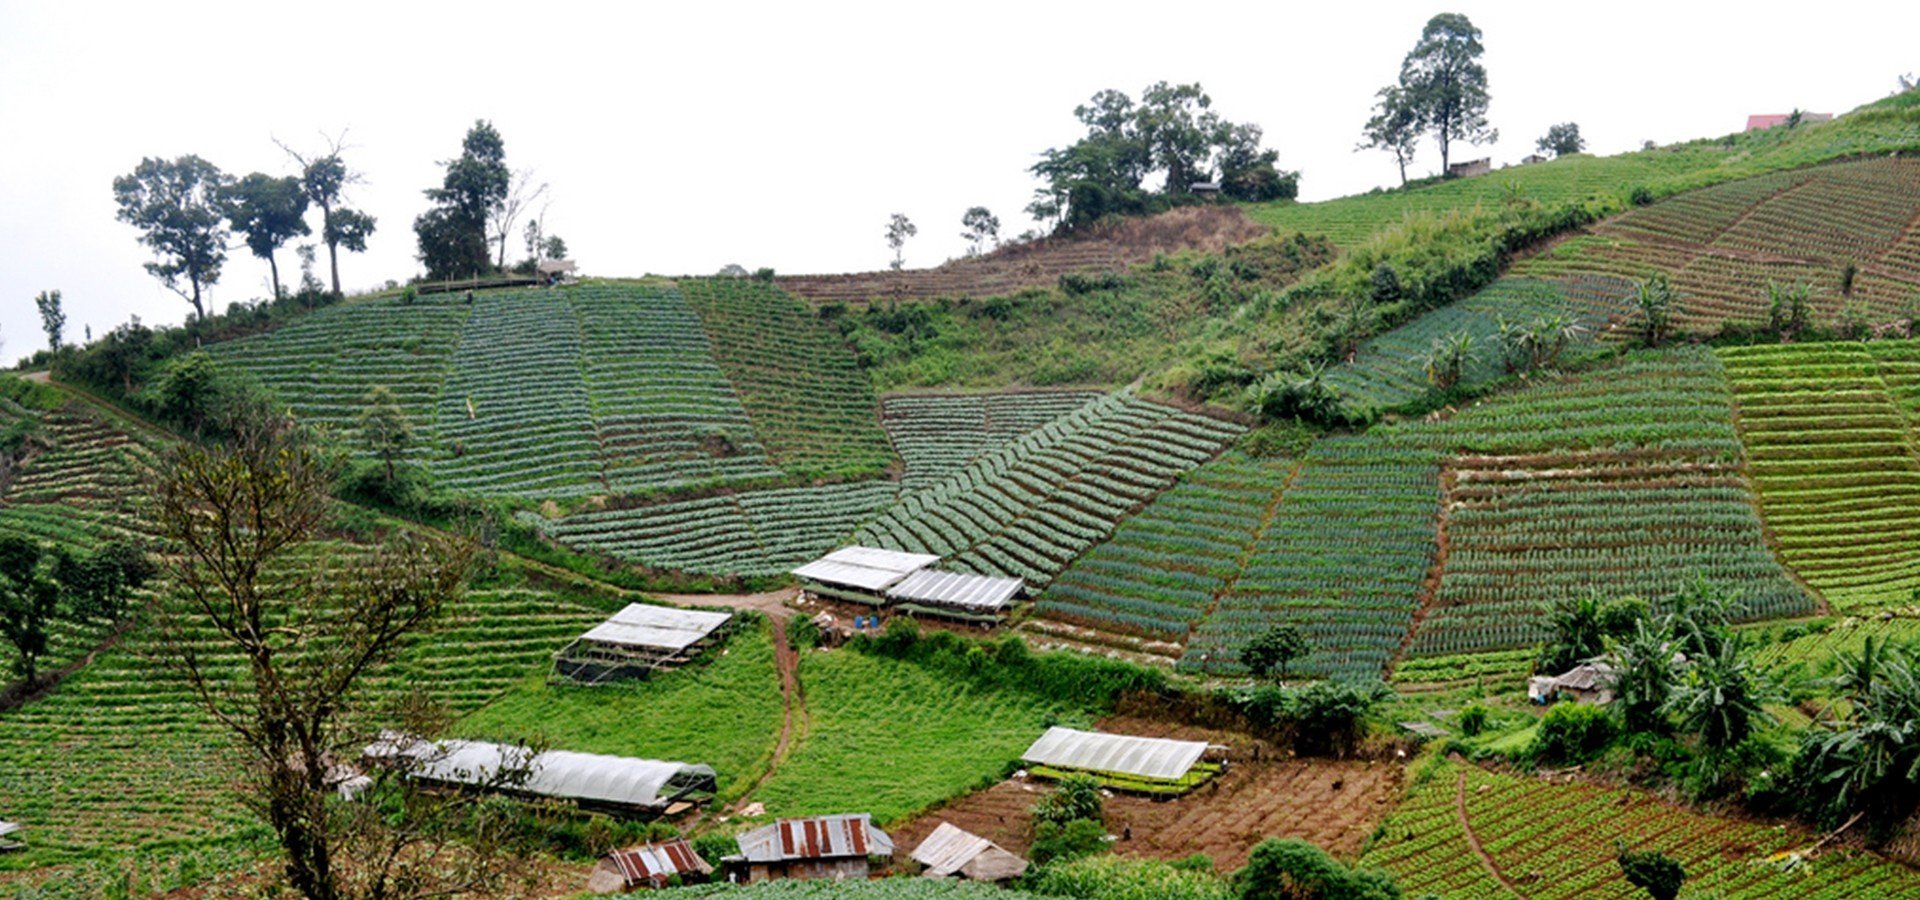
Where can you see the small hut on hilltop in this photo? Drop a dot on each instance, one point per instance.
(951, 852)
(831, 847)
(646, 866)
(638, 640)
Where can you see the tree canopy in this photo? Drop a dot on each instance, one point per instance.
(1173, 131)
(269, 211)
(1444, 82)
(1561, 140)
(179, 207)
(324, 179)
(453, 234)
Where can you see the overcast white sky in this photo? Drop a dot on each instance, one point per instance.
(681, 137)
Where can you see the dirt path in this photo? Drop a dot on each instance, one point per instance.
(1473, 840)
(793, 715)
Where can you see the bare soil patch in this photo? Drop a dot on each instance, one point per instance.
(1334, 804)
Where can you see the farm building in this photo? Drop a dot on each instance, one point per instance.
(1589, 682)
(1120, 761)
(956, 595)
(7, 843)
(949, 851)
(638, 640)
(860, 574)
(612, 784)
(1470, 168)
(835, 847)
(646, 866)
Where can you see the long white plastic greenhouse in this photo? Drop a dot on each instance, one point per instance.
(1154, 759)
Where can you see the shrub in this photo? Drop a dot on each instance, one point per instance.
(1572, 733)
(1055, 842)
(1473, 719)
(1641, 196)
(802, 633)
(1653, 872)
(1077, 796)
(1293, 869)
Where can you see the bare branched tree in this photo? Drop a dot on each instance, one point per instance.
(521, 196)
(277, 630)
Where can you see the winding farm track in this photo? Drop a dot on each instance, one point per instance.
(1473, 840)
(794, 719)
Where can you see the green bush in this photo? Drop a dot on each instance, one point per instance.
(1653, 872)
(1056, 842)
(1118, 878)
(1473, 719)
(1293, 869)
(802, 633)
(1077, 796)
(1572, 733)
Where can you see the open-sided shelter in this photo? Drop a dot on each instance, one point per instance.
(613, 784)
(956, 595)
(639, 640)
(1126, 762)
(835, 847)
(646, 866)
(860, 574)
(950, 851)
(7, 843)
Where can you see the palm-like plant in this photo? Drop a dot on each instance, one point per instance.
(1447, 360)
(1644, 677)
(1720, 697)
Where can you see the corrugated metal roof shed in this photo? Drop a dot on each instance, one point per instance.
(949, 850)
(1161, 759)
(642, 625)
(562, 774)
(657, 862)
(960, 589)
(865, 568)
(819, 837)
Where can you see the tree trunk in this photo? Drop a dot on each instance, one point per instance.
(274, 267)
(333, 262)
(199, 311)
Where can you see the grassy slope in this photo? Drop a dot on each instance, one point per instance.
(893, 738)
(725, 713)
(1876, 128)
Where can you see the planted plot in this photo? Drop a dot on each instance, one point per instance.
(664, 412)
(939, 434)
(1343, 558)
(514, 418)
(1816, 651)
(1163, 567)
(1833, 461)
(1389, 370)
(1031, 507)
(88, 463)
(1542, 839)
(1523, 533)
(755, 533)
(323, 365)
(1722, 245)
(121, 755)
(812, 407)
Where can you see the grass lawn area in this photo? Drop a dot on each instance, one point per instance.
(892, 738)
(725, 713)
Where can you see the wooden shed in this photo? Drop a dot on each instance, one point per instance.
(1588, 682)
(647, 866)
(951, 852)
(822, 847)
(637, 641)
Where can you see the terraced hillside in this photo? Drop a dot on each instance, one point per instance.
(1721, 246)
(1834, 459)
(1466, 832)
(1031, 507)
(939, 434)
(750, 534)
(805, 394)
(598, 388)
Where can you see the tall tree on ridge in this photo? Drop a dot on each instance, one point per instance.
(1395, 128)
(453, 234)
(269, 211)
(325, 177)
(1444, 81)
(177, 205)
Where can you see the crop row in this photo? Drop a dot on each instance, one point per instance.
(753, 533)
(1389, 370)
(1161, 570)
(1833, 459)
(1521, 539)
(1817, 650)
(1560, 840)
(1031, 507)
(939, 434)
(804, 392)
(1343, 557)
